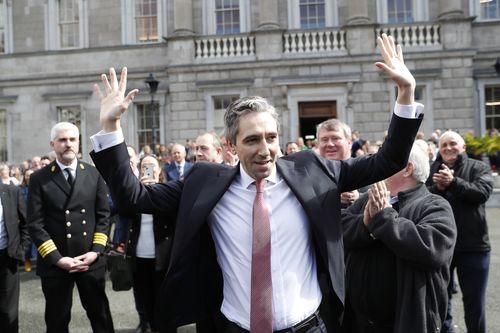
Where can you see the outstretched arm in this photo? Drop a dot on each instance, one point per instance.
(395, 68)
(113, 102)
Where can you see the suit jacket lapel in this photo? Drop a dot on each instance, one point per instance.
(213, 190)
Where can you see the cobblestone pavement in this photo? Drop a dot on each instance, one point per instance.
(125, 317)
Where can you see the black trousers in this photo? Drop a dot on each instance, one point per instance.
(58, 292)
(9, 294)
(146, 284)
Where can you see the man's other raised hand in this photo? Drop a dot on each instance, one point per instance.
(395, 68)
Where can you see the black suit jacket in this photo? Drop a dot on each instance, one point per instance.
(14, 214)
(192, 288)
(67, 221)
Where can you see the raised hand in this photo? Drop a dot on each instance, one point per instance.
(395, 68)
(113, 102)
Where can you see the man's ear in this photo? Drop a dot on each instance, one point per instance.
(408, 170)
(51, 143)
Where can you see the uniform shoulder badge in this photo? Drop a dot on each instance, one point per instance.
(82, 166)
(53, 168)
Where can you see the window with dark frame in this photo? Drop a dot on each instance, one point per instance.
(492, 106)
(147, 121)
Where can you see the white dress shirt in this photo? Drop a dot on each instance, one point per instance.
(146, 241)
(296, 292)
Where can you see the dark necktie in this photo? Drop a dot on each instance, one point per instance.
(69, 177)
(179, 170)
(261, 306)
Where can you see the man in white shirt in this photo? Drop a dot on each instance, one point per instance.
(213, 265)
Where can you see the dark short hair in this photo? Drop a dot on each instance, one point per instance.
(241, 107)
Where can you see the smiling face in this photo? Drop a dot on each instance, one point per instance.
(451, 145)
(333, 145)
(257, 144)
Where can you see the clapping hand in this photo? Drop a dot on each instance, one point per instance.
(378, 199)
(395, 68)
(113, 102)
(443, 178)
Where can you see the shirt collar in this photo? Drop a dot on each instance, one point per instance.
(246, 180)
(72, 165)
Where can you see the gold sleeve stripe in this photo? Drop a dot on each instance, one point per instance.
(100, 238)
(46, 248)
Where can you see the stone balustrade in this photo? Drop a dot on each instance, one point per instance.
(414, 35)
(224, 46)
(314, 41)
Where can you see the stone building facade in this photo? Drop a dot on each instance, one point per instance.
(313, 59)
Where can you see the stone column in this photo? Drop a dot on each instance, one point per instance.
(183, 17)
(450, 9)
(268, 15)
(357, 12)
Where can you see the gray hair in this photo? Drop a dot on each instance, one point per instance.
(420, 161)
(334, 125)
(451, 135)
(61, 127)
(244, 106)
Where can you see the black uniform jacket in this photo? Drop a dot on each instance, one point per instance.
(14, 214)
(192, 289)
(67, 221)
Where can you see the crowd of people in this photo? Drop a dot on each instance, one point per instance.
(239, 234)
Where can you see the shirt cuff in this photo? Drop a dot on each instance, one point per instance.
(408, 111)
(103, 140)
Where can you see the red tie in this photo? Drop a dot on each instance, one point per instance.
(261, 306)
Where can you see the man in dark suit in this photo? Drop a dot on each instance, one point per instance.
(14, 240)
(68, 219)
(219, 264)
(179, 166)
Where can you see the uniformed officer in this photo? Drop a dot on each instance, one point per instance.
(68, 220)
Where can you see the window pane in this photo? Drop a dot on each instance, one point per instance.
(220, 104)
(400, 11)
(492, 106)
(227, 17)
(312, 14)
(3, 135)
(69, 27)
(148, 124)
(146, 20)
(490, 10)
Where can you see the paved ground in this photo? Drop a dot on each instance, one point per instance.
(125, 317)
